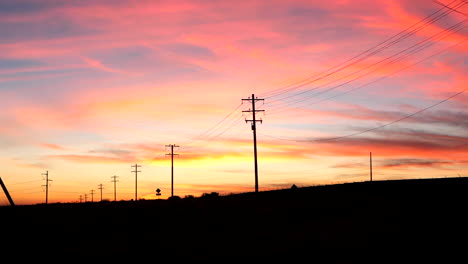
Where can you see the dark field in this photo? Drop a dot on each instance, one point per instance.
(346, 222)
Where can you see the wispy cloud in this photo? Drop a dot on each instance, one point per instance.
(90, 159)
(431, 163)
(98, 65)
(52, 146)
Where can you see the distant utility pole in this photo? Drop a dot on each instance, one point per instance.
(114, 180)
(100, 189)
(254, 129)
(46, 174)
(136, 171)
(172, 146)
(92, 195)
(370, 165)
(81, 198)
(85, 197)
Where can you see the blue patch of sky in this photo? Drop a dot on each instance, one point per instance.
(154, 63)
(27, 6)
(25, 74)
(307, 12)
(33, 80)
(19, 63)
(128, 58)
(76, 137)
(311, 25)
(54, 85)
(190, 50)
(37, 6)
(54, 27)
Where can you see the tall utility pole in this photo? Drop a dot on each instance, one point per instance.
(46, 174)
(254, 130)
(100, 189)
(136, 171)
(172, 146)
(370, 165)
(92, 195)
(114, 180)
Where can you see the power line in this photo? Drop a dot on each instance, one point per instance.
(381, 126)
(365, 54)
(451, 8)
(388, 75)
(397, 120)
(403, 54)
(24, 182)
(233, 123)
(433, 17)
(283, 108)
(211, 129)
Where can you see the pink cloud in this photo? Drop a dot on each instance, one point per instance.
(51, 146)
(404, 18)
(98, 65)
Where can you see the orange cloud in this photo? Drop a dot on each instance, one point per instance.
(91, 159)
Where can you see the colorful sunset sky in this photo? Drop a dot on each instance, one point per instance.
(90, 88)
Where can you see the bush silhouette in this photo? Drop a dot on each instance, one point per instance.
(174, 198)
(208, 195)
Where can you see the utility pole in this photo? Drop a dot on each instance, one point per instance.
(92, 195)
(172, 146)
(46, 174)
(254, 130)
(85, 197)
(136, 171)
(100, 188)
(5, 190)
(114, 180)
(81, 198)
(370, 165)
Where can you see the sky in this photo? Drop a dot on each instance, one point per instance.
(89, 89)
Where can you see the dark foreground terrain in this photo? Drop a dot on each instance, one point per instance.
(382, 219)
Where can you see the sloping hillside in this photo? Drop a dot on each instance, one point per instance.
(368, 217)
